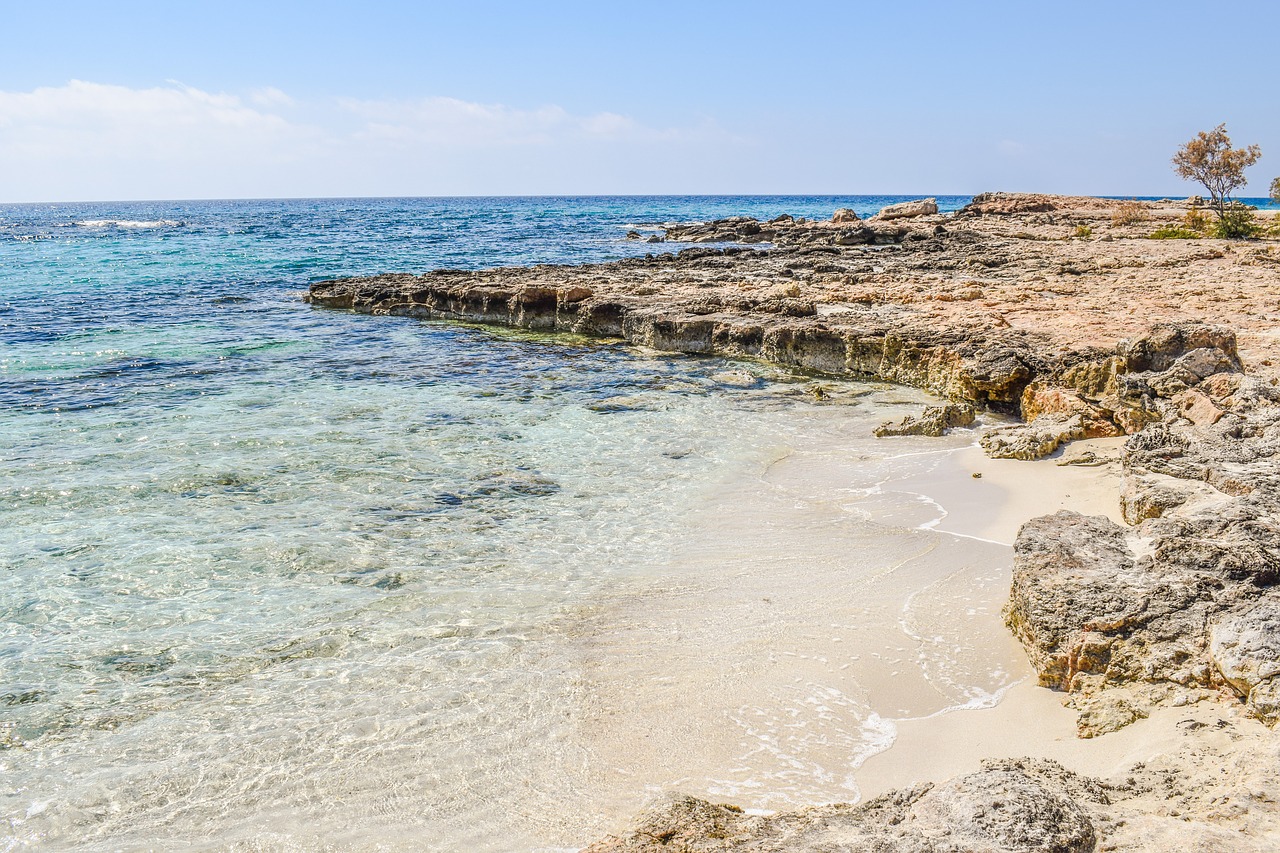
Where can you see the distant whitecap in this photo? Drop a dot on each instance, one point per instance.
(130, 223)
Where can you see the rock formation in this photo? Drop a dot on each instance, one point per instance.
(907, 210)
(1006, 806)
(1182, 603)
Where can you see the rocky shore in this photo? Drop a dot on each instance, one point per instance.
(1064, 312)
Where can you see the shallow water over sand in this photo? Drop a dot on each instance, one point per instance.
(279, 578)
(377, 616)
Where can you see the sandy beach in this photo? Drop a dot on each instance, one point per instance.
(835, 631)
(714, 652)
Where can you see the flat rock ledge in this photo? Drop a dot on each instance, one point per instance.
(998, 307)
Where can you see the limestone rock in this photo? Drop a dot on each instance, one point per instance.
(1009, 806)
(845, 215)
(1033, 440)
(1197, 408)
(1245, 645)
(1040, 399)
(1167, 343)
(934, 421)
(1093, 379)
(908, 209)
(1076, 583)
(1142, 498)
(1002, 807)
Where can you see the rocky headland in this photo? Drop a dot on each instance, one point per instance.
(1064, 312)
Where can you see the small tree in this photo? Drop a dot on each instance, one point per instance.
(1210, 161)
(1275, 190)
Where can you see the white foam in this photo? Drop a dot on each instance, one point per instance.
(129, 223)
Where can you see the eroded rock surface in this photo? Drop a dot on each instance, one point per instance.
(1007, 806)
(933, 421)
(1185, 602)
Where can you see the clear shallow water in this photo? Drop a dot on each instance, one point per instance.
(278, 578)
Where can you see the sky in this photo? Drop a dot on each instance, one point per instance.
(133, 100)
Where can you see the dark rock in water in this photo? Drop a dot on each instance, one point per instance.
(141, 663)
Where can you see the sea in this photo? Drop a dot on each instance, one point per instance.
(275, 577)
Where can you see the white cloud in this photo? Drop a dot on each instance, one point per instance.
(89, 140)
(270, 96)
(449, 121)
(92, 140)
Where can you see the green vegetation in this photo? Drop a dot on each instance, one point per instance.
(1237, 223)
(1275, 190)
(1210, 161)
(1082, 231)
(1174, 232)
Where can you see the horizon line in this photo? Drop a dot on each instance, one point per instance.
(1148, 197)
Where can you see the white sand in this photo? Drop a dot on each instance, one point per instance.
(1010, 491)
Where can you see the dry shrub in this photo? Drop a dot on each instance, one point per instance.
(1196, 220)
(1129, 213)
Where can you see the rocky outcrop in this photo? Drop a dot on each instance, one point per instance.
(934, 421)
(845, 228)
(1198, 797)
(1185, 601)
(908, 210)
(1032, 440)
(1007, 806)
(989, 367)
(1013, 204)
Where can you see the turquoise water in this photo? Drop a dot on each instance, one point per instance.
(282, 578)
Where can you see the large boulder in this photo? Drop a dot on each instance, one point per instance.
(907, 209)
(1033, 440)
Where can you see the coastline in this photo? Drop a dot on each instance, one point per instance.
(1155, 609)
(672, 666)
